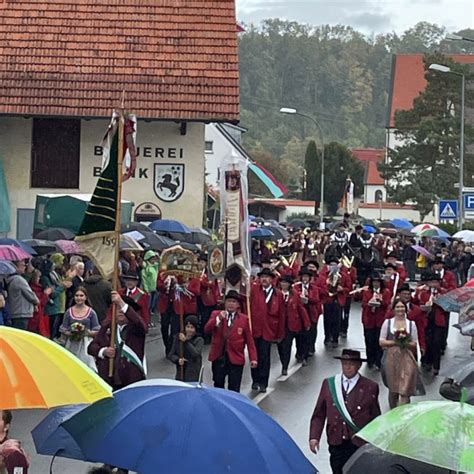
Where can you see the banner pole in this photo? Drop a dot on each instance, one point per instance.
(118, 212)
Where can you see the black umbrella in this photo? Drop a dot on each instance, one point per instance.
(298, 223)
(43, 247)
(155, 242)
(371, 460)
(131, 226)
(461, 369)
(387, 225)
(279, 231)
(55, 233)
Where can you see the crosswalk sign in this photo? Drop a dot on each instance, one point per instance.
(448, 209)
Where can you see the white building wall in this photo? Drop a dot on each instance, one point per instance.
(397, 213)
(285, 213)
(15, 150)
(371, 189)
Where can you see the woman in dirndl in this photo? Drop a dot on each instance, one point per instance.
(80, 325)
(399, 341)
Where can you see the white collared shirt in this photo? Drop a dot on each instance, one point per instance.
(349, 384)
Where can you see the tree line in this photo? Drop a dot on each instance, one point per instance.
(333, 73)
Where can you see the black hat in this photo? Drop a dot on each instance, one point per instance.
(232, 294)
(130, 276)
(376, 276)
(331, 259)
(288, 278)
(391, 265)
(311, 262)
(265, 260)
(392, 255)
(131, 302)
(404, 287)
(432, 277)
(266, 271)
(305, 271)
(350, 354)
(192, 319)
(438, 259)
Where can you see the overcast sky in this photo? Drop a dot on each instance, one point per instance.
(368, 16)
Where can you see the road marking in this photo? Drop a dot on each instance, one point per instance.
(261, 396)
(292, 371)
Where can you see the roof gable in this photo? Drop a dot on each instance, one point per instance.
(175, 59)
(408, 80)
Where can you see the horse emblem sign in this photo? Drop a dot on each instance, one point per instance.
(168, 182)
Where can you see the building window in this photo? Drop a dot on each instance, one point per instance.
(208, 147)
(55, 153)
(378, 195)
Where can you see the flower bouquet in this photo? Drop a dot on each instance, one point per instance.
(78, 331)
(402, 338)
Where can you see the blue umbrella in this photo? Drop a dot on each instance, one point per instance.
(262, 233)
(369, 228)
(52, 439)
(6, 268)
(19, 244)
(169, 225)
(402, 223)
(174, 427)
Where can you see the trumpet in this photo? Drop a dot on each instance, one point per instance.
(333, 282)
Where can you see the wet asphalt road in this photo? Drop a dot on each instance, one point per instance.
(290, 400)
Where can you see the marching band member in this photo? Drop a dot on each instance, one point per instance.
(375, 301)
(138, 295)
(437, 322)
(346, 311)
(334, 284)
(400, 269)
(297, 322)
(392, 280)
(309, 296)
(230, 331)
(268, 324)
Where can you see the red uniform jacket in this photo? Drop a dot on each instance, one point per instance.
(209, 291)
(189, 302)
(373, 317)
(449, 282)
(268, 319)
(125, 372)
(362, 404)
(437, 314)
(296, 316)
(418, 316)
(233, 340)
(313, 307)
(390, 284)
(142, 299)
(345, 281)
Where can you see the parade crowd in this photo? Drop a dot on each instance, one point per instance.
(295, 282)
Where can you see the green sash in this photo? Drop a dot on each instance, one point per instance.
(335, 387)
(128, 353)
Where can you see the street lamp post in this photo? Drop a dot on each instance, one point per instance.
(289, 111)
(448, 70)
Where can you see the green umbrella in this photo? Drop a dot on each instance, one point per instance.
(435, 432)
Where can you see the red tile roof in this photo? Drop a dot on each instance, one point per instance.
(369, 157)
(372, 176)
(408, 80)
(175, 59)
(385, 205)
(368, 154)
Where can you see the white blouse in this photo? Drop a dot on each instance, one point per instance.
(388, 327)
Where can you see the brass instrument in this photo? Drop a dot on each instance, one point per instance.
(333, 282)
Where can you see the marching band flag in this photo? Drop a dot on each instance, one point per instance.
(98, 232)
(347, 201)
(234, 213)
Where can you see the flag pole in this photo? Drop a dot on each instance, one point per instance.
(118, 212)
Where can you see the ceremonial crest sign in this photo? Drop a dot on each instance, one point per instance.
(168, 181)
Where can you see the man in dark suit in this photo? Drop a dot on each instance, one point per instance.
(230, 334)
(348, 402)
(132, 290)
(128, 351)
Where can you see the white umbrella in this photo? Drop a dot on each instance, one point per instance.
(466, 235)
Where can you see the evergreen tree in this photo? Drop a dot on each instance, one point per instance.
(426, 166)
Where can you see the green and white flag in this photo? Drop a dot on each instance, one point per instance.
(98, 232)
